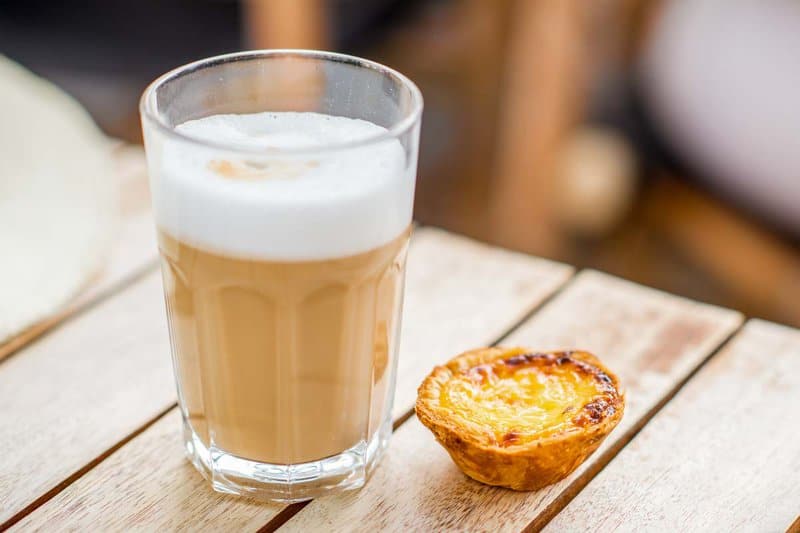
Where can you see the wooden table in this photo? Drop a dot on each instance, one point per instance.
(90, 433)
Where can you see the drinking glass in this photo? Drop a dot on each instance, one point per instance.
(283, 309)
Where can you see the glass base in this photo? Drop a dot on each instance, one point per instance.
(286, 483)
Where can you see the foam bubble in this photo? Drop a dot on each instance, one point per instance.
(282, 206)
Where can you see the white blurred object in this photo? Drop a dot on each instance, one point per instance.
(58, 198)
(597, 181)
(723, 80)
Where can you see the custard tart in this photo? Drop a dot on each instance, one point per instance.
(516, 418)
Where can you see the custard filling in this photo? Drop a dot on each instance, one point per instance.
(523, 397)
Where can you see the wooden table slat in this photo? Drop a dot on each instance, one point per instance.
(459, 294)
(653, 340)
(723, 455)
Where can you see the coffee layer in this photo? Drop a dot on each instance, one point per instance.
(284, 362)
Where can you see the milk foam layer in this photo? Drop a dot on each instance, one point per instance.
(279, 205)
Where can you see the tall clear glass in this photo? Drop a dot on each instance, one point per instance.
(283, 227)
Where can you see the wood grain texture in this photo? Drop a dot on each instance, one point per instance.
(723, 455)
(77, 391)
(457, 291)
(651, 339)
(134, 250)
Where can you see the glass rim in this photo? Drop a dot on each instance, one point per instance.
(149, 112)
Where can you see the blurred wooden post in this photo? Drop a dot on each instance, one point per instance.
(540, 103)
(286, 24)
(751, 262)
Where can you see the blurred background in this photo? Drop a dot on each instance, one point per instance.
(656, 140)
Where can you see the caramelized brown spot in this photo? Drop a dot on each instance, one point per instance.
(557, 358)
(525, 359)
(516, 360)
(510, 438)
(593, 412)
(603, 377)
